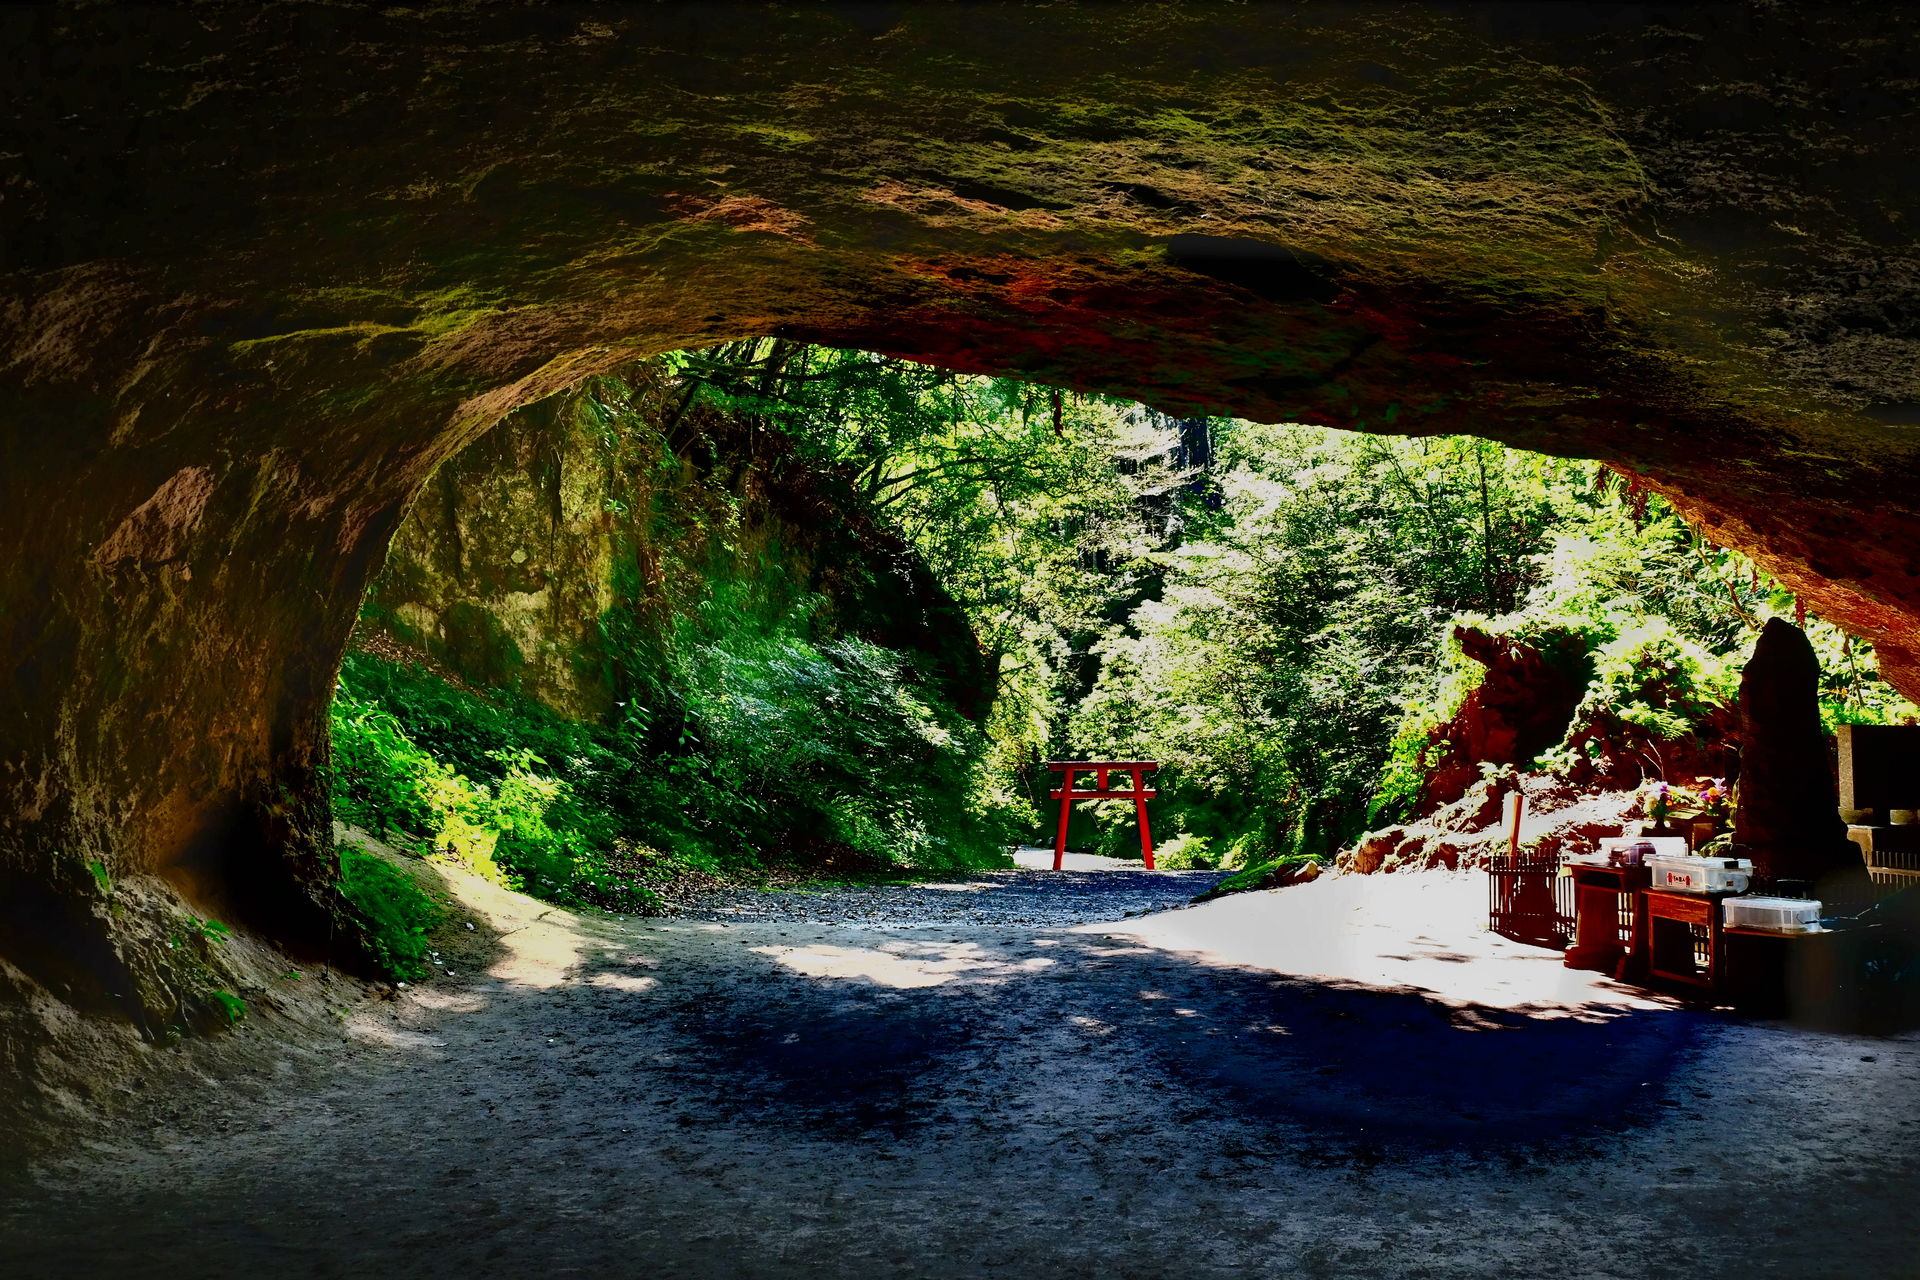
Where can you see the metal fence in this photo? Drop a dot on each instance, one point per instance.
(1528, 899)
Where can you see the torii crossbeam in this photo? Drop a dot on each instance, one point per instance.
(1066, 795)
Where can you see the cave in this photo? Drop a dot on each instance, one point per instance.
(266, 269)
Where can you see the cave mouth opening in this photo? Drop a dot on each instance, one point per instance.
(849, 602)
(1419, 225)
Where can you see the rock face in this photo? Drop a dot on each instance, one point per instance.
(554, 556)
(266, 267)
(1788, 813)
(1521, 707)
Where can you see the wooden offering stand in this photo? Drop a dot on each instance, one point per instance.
(1683, 936)
(1667, 938)
(1609, 919)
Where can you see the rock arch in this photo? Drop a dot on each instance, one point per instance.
(265, 267)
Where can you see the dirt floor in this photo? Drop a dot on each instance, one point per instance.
(1007, 1075)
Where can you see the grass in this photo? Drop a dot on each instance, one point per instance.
(393, 913)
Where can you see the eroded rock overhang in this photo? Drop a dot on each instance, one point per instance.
(267, 266)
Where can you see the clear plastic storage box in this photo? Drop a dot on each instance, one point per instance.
(1621, 851)
(1700, 875)
(1776, 915)
(1663, 846)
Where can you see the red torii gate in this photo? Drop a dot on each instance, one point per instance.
(1066, 795)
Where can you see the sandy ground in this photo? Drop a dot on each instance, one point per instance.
(1348, 1078)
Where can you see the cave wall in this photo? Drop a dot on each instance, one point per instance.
(263, 268)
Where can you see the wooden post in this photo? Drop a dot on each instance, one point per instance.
(1140, 811)
(1533, 891)
(1066, 811)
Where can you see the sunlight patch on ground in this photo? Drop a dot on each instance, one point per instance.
(541, 953)
(622, 982)
(537, 944)
(1037, 859)
(971, 886)
(1424, 931)
(454, 999)
(902, 965)
(369, 1032)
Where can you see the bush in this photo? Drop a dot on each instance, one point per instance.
(394, 914)
(1186, 853)
(838, 742)
(385, 782)
(416, 759)
(783, 746)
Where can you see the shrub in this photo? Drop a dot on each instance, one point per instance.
(782, 746)
(839, 741)
(1652, 704)
(1186, 853)
(393, 913)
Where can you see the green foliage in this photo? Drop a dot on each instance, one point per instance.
(752, 723)
(781, 745)
(394, 914)
(1651, 686)
(200, 931)
(385, 782)
(840, 741)
(1267, 610)
(1285, 655)
(1262, 874)
(1404, 772)
(464, 777)
(1187, 853)
(1256, 606)
(231, 1006)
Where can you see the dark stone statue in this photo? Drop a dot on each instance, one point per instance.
(1788, 815)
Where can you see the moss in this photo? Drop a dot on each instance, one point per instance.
(358, 333)
(1265, 875)
(447, 311)
(780, 135)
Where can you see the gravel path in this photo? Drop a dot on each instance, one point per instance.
(1345, 1079)
(1091, 889)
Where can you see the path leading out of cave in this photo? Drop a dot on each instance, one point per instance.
(1349, 1078)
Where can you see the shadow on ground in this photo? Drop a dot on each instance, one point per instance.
(785, 1099)
(1340, 1063)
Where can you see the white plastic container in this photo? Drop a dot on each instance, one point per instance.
(1663, 847)
(1701, 875)
(1776, 915)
